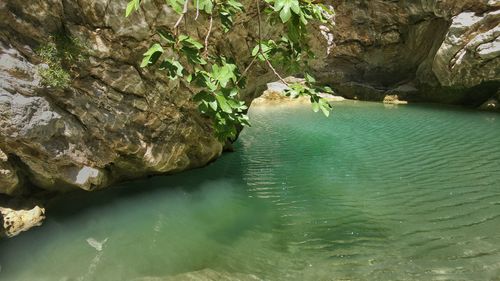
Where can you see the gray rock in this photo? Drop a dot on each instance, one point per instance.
(470, 53)
(393, 99)
(448, 50)
(115, 121)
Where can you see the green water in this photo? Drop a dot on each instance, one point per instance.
(372, 193)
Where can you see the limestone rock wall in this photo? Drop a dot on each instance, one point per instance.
(444, 51)
(115, 120)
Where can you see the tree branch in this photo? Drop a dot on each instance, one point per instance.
(259, 20)
(260, 47)
(246, 70)
(276, 72)
(197, 9)
(184, 11)
(205, 52)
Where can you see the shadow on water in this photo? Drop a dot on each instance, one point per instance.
(65, 206)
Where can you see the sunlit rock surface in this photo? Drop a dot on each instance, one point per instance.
(16, 220)
(470, 51)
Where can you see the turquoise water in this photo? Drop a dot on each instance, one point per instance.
(371, 193)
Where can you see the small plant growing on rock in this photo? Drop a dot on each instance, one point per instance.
(60, 54)
(217, 79)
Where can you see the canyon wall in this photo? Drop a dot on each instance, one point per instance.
(444, 51)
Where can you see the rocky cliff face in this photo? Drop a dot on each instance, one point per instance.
(444, 51)
(94, 117)
(113, 120)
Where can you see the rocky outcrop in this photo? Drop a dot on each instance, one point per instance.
(439, 51)
(18, 218)
(469, 54)
(393, 99)
(113, 120)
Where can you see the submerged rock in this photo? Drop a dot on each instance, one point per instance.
(97, 245)
(204, 275)
(393, 99)
(17, 220)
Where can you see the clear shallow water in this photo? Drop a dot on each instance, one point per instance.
(372, 193)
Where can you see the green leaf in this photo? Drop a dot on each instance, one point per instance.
(278, 5)
(285, 7)
(190, 42)
(174, 68)
(309, 78)
(294, 5)
(203, 107)
(285, 15)
(213, 104)
(235, 5)
(205, 5)
(167, 36)
(223, 74)
(328, 90)
(202, 95)
(315, 106)
(325, 107)
(265, 50)
(152, 55)
(227, 10)
(176, 5)
(221, 99)
(244, 120)
(255, 50)
(326, 110)
(233, 92)
(131, 6)
(193, 56)
(226, 20)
